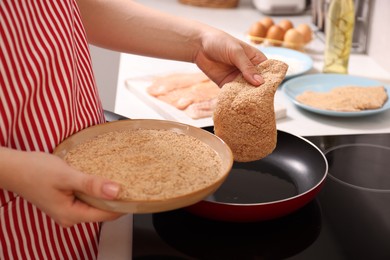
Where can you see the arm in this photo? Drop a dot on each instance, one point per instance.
(127, 26)
(49, 183)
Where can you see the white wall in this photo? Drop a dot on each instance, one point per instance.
(106, 67)
(379, 33)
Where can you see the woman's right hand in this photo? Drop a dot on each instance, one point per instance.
(50, 183)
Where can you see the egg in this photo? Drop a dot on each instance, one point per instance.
(275, 32)
(293, 39)
(258, 30)
(286, 24)
(267, 22)
(306, 31)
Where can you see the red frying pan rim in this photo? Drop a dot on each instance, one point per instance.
(325, 174)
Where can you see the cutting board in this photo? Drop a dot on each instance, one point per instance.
(138, 86)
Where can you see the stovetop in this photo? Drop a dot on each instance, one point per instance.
(349, 219)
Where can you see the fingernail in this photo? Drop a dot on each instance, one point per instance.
(258, 78)
(111, 190)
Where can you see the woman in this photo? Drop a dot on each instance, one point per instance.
(48, 93)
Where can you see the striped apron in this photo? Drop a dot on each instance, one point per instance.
(47, 93)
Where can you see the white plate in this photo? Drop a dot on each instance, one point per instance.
(326, 82)
(298, 62)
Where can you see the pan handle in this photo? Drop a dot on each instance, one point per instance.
(111, 116)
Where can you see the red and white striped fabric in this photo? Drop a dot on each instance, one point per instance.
(47, 93)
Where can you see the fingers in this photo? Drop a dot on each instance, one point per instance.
(86, 213)
(247, 62)
(96, 186)
(80, 212)
(229, 78)
(258, 57)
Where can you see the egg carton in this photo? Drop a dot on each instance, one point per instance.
(266, 42)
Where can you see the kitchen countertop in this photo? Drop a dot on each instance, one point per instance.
(237, 22)
(116, 235)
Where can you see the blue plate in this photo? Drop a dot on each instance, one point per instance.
(324, 83)
(298, 62)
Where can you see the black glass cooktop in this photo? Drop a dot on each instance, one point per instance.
(349, 219)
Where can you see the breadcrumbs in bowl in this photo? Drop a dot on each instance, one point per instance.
(161, 165)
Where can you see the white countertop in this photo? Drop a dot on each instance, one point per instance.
(237, 22)
(299, 122)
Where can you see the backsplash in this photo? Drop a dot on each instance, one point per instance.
(379, 33)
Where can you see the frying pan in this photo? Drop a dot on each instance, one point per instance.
(275, 186)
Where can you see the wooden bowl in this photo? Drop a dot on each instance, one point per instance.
(153, 205)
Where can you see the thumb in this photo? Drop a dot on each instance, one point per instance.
(97, 187)
(247, 62)
(252, 75)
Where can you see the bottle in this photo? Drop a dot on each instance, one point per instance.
(339, 28)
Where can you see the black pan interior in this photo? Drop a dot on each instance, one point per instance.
(294, 167)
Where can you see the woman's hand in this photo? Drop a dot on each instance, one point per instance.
(49, 183)
(222, 57)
